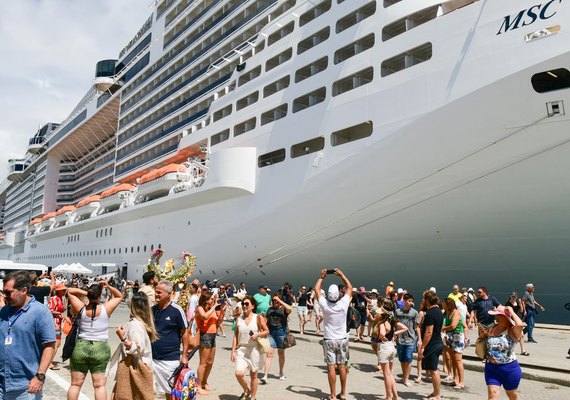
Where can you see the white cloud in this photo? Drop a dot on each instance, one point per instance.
(49, 50)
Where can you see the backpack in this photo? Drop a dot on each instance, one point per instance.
(352, 319)
(184, 386)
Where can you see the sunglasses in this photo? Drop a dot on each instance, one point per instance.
(246, 304)
(8, 292)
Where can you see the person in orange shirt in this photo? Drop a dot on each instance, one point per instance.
(389, 288)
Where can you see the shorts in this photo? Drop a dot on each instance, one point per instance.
(58, 334)
(317, 310)
(455, 341)
(363, 317)
(431, 357)
(406, 352)
(302, 310)
(208, 340)
(277, 338)
(386, 352)
(310, 307)
(248, 358)
(335, 351)
(163, 370)
(507, 375)
(90, 356)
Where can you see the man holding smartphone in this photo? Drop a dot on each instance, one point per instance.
(335, 343)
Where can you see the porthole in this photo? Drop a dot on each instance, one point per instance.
(144, 248)
(138, 249)
(110, 231)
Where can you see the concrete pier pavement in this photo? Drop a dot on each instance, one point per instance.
(547, 371)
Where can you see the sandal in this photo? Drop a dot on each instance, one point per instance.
(525, 353)
(244, 396)
(340, 397)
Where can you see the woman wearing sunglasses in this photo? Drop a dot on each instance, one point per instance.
(245, 351)
(518, 307)
(276, 318)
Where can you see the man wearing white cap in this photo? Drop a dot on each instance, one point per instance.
(530, 311)
(335, 343)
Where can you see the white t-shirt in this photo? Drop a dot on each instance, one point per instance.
(334, 317)
(462, 308)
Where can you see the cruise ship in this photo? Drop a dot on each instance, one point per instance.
(417, 141)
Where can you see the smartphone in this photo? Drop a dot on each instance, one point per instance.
(330, 271)
(250, 333)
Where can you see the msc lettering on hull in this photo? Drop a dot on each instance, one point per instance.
(528, 16)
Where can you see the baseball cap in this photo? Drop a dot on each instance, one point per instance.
(374, 291)
(400, 290)
(263, 286)
(391, 283)
(333, 293)
(432, 289)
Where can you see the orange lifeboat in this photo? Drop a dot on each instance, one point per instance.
(48, 216)
(158, 173)
(88, 200)
(65, 209)
(35, 221)
(116, 189)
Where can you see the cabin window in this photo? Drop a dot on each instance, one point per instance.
(276, 86)
(548, 81)
(309, 99)
(315, 12)
(313, 40)
(222, 113)
(244, 127)
(312, 69)
(408, 23)
(249, 76)
(271, 158)
(274, 114)
(352, 133)
(281, 33)
(247, 100)
(356, 16)
(353, 81)
(279, 59)
(220, 137)
(388, 3)
(354, 48)
(307, 147)
(408, 59)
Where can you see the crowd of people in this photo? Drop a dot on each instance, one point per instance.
(166, 325)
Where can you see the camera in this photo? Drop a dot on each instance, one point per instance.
(330, 271)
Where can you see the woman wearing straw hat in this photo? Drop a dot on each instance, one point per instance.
(502, 367)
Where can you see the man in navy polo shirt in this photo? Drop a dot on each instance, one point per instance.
(171, 324)
(27, 340)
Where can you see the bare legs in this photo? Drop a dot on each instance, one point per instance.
(302, 322)
(458, 370)
(252, 390)
(494, 393)
(269, 358)
(77, 380)
(206, 362)
(389, 381)
(331, 373)
(436, 382)
(406, 371)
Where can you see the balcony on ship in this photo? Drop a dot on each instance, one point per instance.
(17, 170)
(36, 144)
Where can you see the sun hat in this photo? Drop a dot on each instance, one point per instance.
(60, 286)
(362, 289)
(501, 310)
(333, 292)
(470, 289)
(239, 295)
(529, 285)
(374, 291)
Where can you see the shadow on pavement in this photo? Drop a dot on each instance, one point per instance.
(307, 391)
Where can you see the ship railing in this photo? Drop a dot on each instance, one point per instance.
(193, 176)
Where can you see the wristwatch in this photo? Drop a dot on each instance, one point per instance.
(41, 377)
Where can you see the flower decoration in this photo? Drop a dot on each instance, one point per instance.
(169, 271)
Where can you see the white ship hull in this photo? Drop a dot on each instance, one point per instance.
(470, 185)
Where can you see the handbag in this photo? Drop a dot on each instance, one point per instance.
(194, 340)
(481, 348)
(66, 325)
(71, 338)
(263, 345)
(289, 340)
(134, 378)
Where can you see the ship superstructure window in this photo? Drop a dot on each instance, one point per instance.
(271, 158)
(276, 86)
(353, 81)
(244, 127)
(315, 12)
(408, 59)
(354, 48)
(352, 133)
(549, 81)
(280, 33)
(388, 3)
(222, 113)
(247, 100)
(312, 69)
(220, 137)
(313, 40)
(278, 59)
(356, 16)
(249, 76)
(309, 99)
(307, 147)
(408, 23)
(274, 114)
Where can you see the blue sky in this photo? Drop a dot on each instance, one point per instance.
(49, 49)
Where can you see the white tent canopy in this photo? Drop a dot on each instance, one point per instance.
(75, 268)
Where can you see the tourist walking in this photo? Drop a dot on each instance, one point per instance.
(302, 308)
(207, 321)
(455, 339)
(27, 340)
(360, 303)
(57, 308)
(92, 351)
(432, 345)
(170, 324)
(317, 311)
(480, 310)
(335, 337)
(136, 340)
(149, 283)
(276, 319)
(263, 299)
(407, 341)
(518, 307)
(501, 366)
(530, 305)
(388, 329)
(245, 348)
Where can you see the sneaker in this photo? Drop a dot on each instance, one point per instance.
(282, 377)
(531, 341)
(263, 381)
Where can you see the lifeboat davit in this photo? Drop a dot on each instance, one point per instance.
(34, 226)
(87, 207)
(48, 221)
(64, 215)
(116, 197)
(158, 182)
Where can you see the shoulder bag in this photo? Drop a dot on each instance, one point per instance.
(262, 342)
(71, 337)
(289, 340)
(134, 378)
